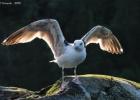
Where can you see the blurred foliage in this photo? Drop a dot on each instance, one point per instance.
(27, 65)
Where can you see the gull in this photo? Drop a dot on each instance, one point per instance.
(66, 55)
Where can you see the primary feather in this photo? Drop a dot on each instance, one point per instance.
(47, 29)
(105, 38)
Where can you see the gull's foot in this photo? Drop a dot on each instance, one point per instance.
(63, 85)
(76, 80)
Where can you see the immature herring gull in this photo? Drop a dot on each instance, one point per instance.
(66, 55)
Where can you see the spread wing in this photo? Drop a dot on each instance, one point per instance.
(46, 29)
(105, 38)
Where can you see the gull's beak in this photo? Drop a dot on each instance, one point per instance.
(77, 48)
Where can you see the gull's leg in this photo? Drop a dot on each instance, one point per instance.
(64, 83)
(63, 74)
(75, 73)
(76, 79)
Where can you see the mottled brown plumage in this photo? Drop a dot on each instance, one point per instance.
(47, 29)
(67, 55)
(105, 38)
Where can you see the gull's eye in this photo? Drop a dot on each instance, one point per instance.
(80, 43)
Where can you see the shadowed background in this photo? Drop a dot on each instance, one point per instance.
(27, 65)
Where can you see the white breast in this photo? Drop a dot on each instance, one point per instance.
(71, 57)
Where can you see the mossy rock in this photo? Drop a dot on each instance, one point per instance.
(91, 87)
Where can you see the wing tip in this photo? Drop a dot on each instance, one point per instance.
(117, 52)
(120, 51)
(4, 42)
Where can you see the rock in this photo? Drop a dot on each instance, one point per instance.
(90, 87)
(15, 93)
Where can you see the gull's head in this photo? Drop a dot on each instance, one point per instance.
(79, 45)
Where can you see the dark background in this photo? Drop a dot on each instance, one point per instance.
(27, 65)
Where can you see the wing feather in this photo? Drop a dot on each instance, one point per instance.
(105, 38)
(47, 29)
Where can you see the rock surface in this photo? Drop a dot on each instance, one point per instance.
(91, 87)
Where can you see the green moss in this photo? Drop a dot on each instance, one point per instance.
(111, 78)
(54, 89)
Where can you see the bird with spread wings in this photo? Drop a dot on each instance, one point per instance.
(66, 55)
